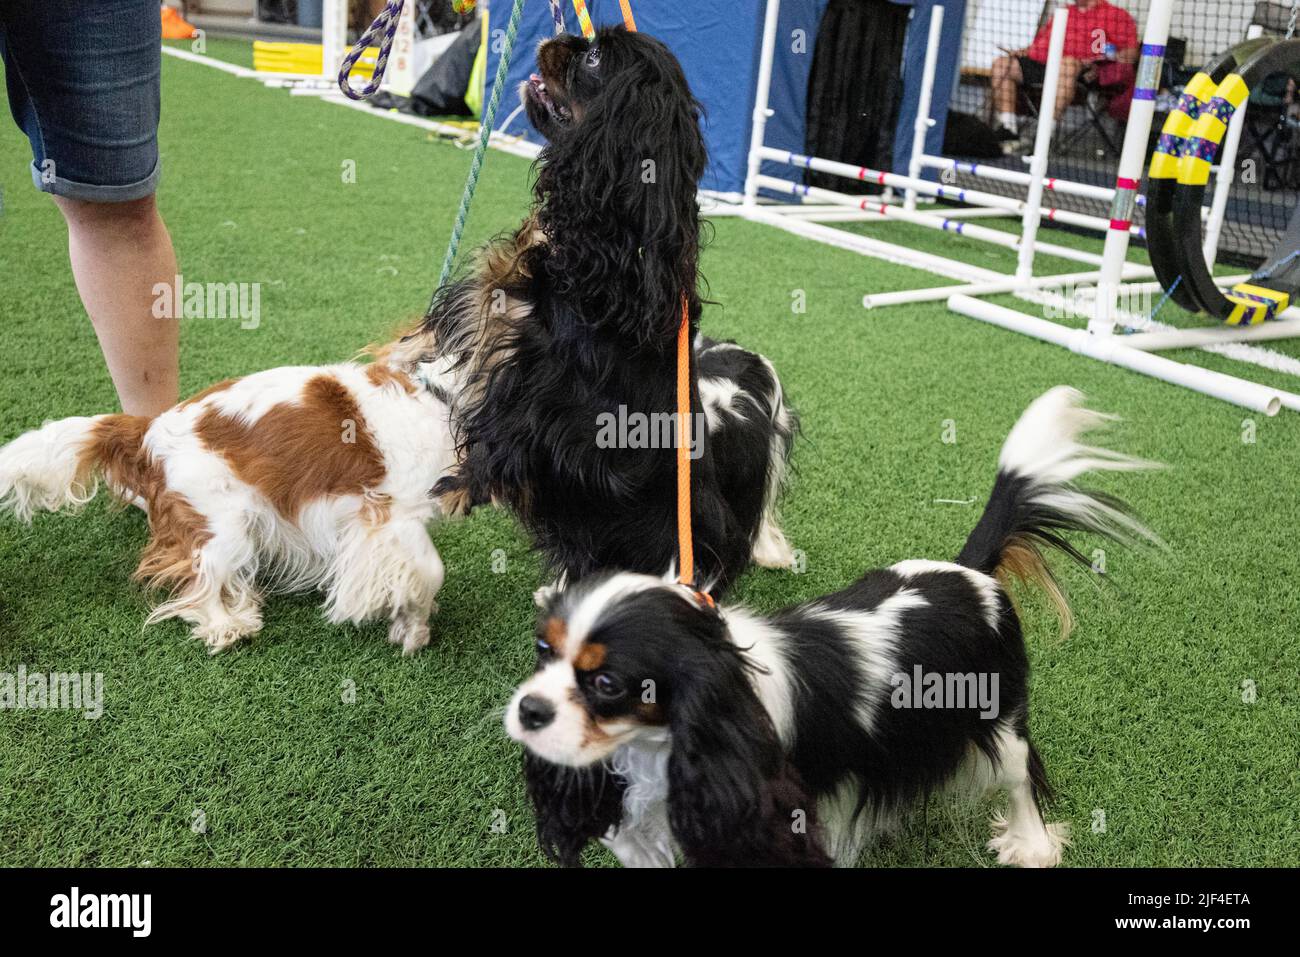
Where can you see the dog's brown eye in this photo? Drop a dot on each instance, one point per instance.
(543, 646)
(607, 685)
(593, 57)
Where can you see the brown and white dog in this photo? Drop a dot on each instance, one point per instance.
(291, 479)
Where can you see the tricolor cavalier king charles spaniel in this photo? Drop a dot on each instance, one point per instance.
(573, 322)
(290, 479)
(667, 728)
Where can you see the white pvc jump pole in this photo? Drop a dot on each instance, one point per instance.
(1043, 143)
(1113, 350)
(1131, 164)
(334, 29)
(875, 248)
(924, 122)
(1064, 186)
(1214, 335)
(898, 255)
(931, 221)
(1069, 187)
(761, 95)
(997, 287)
(1006, 204)
(1223, 186)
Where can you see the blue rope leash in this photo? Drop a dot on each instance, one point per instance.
(1270, 273)
(1130, 330)
(1165, 298)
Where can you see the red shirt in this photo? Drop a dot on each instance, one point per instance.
(1088, 33)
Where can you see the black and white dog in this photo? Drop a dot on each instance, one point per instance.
(571, 324)
(667, 728)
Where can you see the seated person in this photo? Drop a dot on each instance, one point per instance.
(1098, 32)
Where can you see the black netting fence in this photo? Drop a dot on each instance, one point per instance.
(1004, 48)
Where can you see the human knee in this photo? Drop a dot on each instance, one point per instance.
(131, 215)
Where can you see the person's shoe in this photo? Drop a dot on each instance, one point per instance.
(1009, 140)
(174, 26)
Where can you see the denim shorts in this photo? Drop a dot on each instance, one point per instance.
(83, 78)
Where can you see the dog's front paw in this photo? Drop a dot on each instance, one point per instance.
(1038, 846)
(409, 631)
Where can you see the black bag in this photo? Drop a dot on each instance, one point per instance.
(970, 137)
(441, 91)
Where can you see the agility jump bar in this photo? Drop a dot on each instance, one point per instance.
(936, 190)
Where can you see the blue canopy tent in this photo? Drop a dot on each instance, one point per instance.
(718, 44)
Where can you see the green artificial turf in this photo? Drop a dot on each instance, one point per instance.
(319, 745)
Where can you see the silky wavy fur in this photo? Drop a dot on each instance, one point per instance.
(576, 315)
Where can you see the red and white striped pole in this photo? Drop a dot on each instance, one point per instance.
(1132, 164)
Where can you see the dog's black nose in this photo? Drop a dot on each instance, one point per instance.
(535, 712)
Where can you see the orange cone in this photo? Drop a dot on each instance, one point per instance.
(174, 26)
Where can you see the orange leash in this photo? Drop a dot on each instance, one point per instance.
(685, 544)
(584, 18)
(628, 21)
(685, 539)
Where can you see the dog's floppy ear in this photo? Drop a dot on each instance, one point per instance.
(734, 800)
(573, 806)
(618, 195)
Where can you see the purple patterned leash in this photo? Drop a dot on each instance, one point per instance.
(386, 23)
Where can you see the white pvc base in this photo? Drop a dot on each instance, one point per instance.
(1214, 335)
(1007, 285)
(1115, 351)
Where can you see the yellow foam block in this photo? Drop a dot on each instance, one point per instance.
(278, 57)
(1245, 313)
(1250, 311)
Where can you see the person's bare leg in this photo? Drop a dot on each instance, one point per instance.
(1071, 70)
(1005, 84)
(119, 251)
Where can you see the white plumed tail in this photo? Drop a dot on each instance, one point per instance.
(49, 469)
(1044, 444)
(1045, 449)
(1035, 503)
